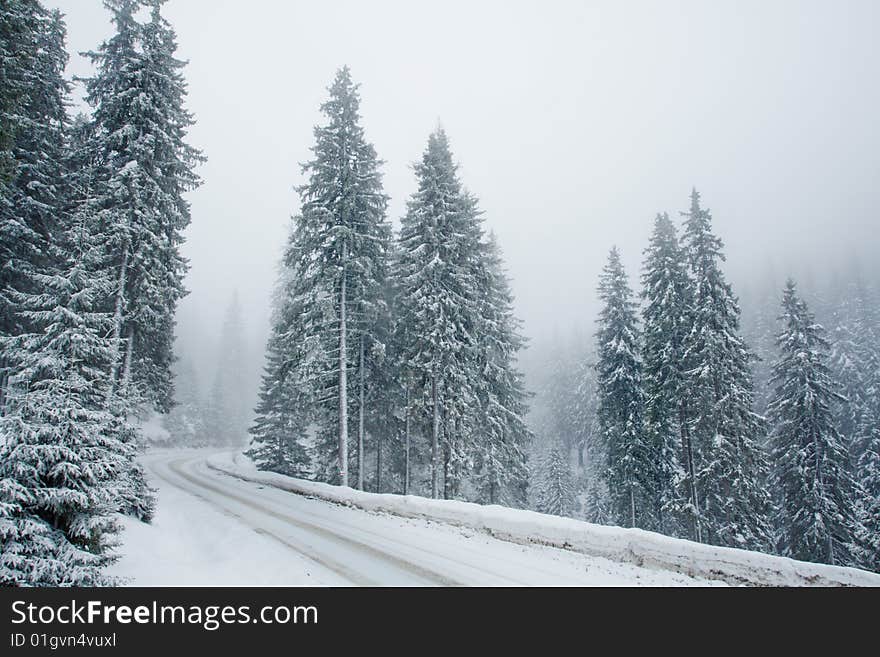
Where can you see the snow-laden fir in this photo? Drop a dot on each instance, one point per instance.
(393, 360)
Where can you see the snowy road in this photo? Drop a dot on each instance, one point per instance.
(213, 529)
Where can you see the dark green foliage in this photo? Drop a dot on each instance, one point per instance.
(817, 495)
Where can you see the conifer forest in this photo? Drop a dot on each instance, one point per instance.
(453, 323)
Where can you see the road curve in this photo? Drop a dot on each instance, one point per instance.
(350, 547)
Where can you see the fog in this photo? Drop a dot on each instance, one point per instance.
(574, 123)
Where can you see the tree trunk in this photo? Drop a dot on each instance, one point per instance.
(632, 507)
(117, 316)
(435, 438)
(360, 483)
(4, 383)
(491, 470)
(378, 464)
(829, 548)
(446, 471)
(692, 480)
(126, 369)
(406, 445)
(343, 379)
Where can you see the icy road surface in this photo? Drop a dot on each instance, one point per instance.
(212, 530)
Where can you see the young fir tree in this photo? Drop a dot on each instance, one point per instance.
(62, 461)
(817, 496)
(439, 306)
(667, 294)
(343, 242)
(555, 493)
(729, 466)
(141, 167)
(226, 421)
(280, 429)
(629, 456)
(33, 189)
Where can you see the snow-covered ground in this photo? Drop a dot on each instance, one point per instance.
(222, 522)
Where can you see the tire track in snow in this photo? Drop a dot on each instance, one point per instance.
(333, 566)
(428, 576)
(475, 552)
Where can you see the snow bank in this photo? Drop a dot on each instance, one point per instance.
(636, 546)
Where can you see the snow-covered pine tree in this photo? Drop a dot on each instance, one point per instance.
(555, 493)
(280, 430)
(816, 516)
(20, 23)
(227, 415)
(141, 167)
(134, 496)
(665, 316)
(65, 463)
(868, 474)
(504, 438)
(62, 461)
(343, 243)
(729, 465)
(186, 421)
(629, 455)
(590, 443)
(855, 364)
(439, 306)
(33, 122)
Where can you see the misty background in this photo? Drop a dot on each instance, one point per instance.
(574, 123)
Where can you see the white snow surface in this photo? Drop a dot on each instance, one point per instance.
(220, 521)
(622, 545)
(212, 529)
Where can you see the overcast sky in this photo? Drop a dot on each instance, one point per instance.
(574, 123)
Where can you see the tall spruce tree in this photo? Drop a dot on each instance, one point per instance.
(141, 167)
(817, 495)
(343, 243)
(21, 23)
(33, 186)
(666, 318)
(63, 464)
(731, 501)
(439, 305)
(629, 456)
